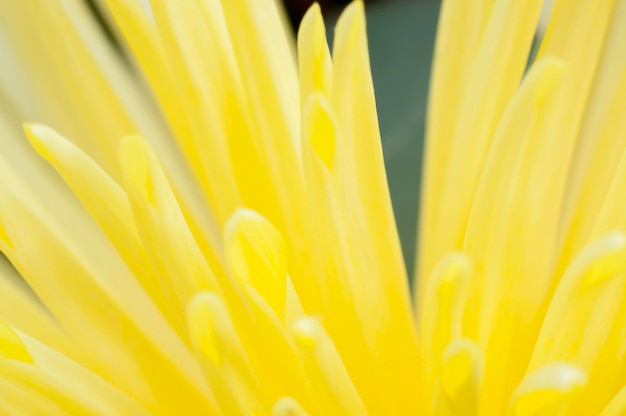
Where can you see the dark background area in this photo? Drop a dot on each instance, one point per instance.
(297, 8)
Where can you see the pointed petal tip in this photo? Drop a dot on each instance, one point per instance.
(44, 140)
(350, 27)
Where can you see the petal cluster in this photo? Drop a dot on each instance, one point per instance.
(199, 221)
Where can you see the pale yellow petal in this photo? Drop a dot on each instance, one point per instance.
(507, 242)
(469, 97)
(593, 201)
(18, 400)
(367, 223)
(102, 396)
(118, 320)
(163, 230)
(21, 309)
(208, 91)
(106, 202)
(35, 382)
(359, 149)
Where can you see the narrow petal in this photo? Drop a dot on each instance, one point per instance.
(506, 239)
(485, 76)
(325, 369)
(106, 202)
(602, 140)
(314, 61)
(215, 340)
(103, 397)
(257, 255)
(21, 310)
(163, 230)
(442, 318)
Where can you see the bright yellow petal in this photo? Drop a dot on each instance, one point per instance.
(326, 372)
(587, 307)
(216, 341)
(547, 390)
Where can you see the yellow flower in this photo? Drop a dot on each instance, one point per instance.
(218, 236)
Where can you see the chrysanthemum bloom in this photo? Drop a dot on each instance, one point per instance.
(218, 237)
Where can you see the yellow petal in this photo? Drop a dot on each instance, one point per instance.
(547, 390)
(602, 137)
(483, 77)
(346, 298)
(182, 269)
(257, 255)
(366, 220)
(272, 353)
(269, 78)
(442, 317)
(268, 69)
(617, 405)
(587, 307)
(106, 202)
(217, 344)
(35, 384)
(18, 400)
(11, 345)
(20, 309)
(314, 61)
(509, 248)
(360, 147)
(461, 377)
(325, 369)
(88, 386)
